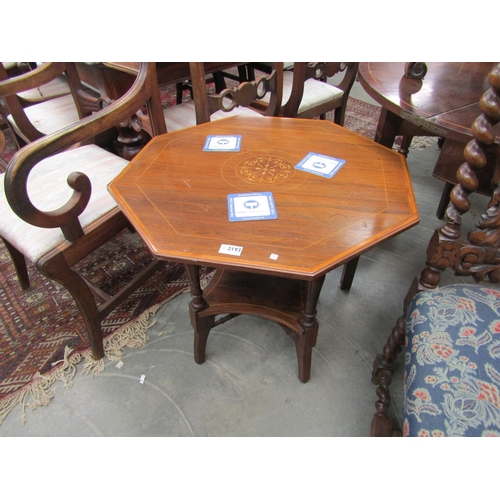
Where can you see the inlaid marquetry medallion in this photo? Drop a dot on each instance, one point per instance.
(257, 171)
(264, 170)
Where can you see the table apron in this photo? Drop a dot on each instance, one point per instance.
(423, 123)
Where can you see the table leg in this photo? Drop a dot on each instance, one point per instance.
(348, 272)
(201, 325)
(388, 127)
(235, 293)
(304, 342)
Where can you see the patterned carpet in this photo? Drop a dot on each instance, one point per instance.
(42, 334)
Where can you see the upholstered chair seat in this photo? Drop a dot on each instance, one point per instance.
(316, 93)
(48, 190)
(49, 116)
(184, 115)
(56, 88)
(452, 362)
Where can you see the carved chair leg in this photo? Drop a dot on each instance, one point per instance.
(381, 423)
(19, 262)
(339, 115)
(55, 267)
(383, 368)
(444, 201)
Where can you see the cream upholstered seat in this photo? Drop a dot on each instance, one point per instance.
(316, 93)
(49, 190)
(49, 116)
(56, 88)
(55, 206)
(32, 116)
(184, 115)
(48, 106)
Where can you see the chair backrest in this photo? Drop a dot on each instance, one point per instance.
(244, 94)
(475, 254)
(85, 103)
(303, 71)
(144, 92)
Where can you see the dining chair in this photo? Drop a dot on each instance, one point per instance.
(451, 334)
(55, 206)
(238, 100)
(46, 99)
(308, 94)
(56, 88)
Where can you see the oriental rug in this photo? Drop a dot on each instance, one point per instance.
(42, 335)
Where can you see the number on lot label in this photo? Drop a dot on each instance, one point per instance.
(230, 249)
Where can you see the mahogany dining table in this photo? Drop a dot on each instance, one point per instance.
(270, 204)
(444, 104)
(113, 79)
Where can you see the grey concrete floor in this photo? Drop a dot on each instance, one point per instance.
(248, 385)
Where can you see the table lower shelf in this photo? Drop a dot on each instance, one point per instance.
(289, 302)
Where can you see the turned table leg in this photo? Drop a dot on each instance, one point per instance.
(305, 341)
(201, 325)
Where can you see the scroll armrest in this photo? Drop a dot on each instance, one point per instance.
(66, 217)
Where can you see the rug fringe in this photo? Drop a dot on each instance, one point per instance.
(39, 391)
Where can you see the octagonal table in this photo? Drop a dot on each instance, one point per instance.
(180, 197)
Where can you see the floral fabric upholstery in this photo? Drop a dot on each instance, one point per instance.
(452, 362)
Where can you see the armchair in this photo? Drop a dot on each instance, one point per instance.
(64, 102)
(55, 225)
(451, 335)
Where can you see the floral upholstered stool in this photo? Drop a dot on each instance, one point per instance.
(452, 364)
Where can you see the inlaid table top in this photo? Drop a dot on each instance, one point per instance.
(176, 196)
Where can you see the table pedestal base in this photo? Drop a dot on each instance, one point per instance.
(289, 302)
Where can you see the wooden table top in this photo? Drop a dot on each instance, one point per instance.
(175, 194)
(114, 79)
(447, 98)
